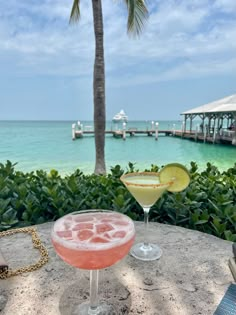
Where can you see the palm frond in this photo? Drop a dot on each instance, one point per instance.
(137, 16)
(75, 12)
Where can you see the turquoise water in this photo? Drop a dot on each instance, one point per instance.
(48, 145)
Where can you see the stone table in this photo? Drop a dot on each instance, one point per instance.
(189, 279)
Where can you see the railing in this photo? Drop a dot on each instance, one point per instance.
(228, 133)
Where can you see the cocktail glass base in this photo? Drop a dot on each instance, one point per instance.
(102, 309)
(146, 252)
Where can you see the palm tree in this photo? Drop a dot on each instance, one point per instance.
(137, 15)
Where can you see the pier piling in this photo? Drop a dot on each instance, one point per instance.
(156, 132)
(124, 131)
(73, 131)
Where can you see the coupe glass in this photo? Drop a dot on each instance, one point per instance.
(146, 189)
(92, 240)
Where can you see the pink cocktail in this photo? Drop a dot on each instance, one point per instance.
(93, 239)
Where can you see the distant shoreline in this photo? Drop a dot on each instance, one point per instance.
(90, 120)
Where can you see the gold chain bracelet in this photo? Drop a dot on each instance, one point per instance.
(36, 243)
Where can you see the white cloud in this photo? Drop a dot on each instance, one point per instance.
(181, 39)
(172, 19)
(194, 69)
(228, 6)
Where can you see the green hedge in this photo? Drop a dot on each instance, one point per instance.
(208, 204)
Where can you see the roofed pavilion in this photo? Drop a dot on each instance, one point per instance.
(218, 118)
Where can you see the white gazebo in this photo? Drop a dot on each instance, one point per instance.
(215, 117)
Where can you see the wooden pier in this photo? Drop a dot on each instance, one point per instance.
(123, 133)
(223, 136)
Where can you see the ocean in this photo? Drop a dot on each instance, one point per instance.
(48, 145)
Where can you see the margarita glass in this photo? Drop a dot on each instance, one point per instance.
(93, 239)
(146, 188)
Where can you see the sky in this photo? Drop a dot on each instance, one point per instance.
(184, 58)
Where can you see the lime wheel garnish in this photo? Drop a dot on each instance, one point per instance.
(178, 174)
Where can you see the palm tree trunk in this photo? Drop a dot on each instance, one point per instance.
(99, 89)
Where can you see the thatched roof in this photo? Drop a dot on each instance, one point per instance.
(226, 104)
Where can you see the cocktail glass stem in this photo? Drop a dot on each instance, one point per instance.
(146, 217)
(94, 308)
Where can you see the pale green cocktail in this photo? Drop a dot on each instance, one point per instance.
(146, 189)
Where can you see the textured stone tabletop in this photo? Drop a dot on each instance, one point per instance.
(189, 279)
